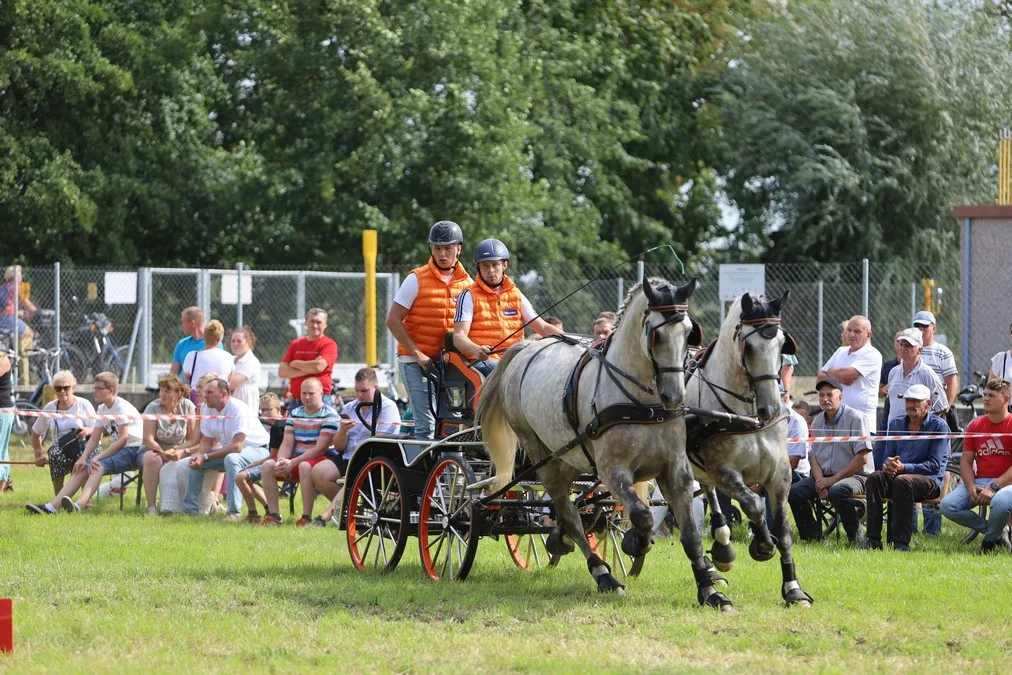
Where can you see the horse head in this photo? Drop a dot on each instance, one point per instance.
(667, 333)
(761, 341)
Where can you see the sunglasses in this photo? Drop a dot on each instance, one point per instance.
(62, 387)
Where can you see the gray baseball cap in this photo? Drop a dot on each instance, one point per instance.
(923, 318)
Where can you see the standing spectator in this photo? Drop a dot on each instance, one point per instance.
(243, 441)
(492, 312)
(1001, 364)
(839, 468)
(844, 342)
(350, 435)
(9, 290)
(166, 440)
(67, 436)
(313, 355)
(883, 382)
(7, 415)
(912, 370)
(940, 359)
(857, 367)
(422, 314)
(602, 327)
(192, 321)
(912, 470)
(309, 433)
(211, 359)
(247, 479)
(986, 468)
(123, 453)
(245, 377)
(787, 364)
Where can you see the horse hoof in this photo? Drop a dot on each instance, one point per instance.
(634, 545)
(728, 608)
(801, 603)
(556, 545)
(723, 566)
(761, 552)
(723, 556)
(606, 583)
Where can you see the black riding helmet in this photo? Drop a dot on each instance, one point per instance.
(491, 249)
(445, 232)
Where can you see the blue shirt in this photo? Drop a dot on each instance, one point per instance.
(184, 347)
(926, 457)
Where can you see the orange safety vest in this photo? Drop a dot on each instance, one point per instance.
(496, 315)
(430, 317)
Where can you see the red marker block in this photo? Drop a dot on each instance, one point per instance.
(6, 626)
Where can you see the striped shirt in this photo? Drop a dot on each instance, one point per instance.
(308, 428)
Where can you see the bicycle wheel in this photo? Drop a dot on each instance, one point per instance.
(74, 360)
(114, 361)
(22, 423)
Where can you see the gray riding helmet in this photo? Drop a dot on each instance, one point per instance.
(491, 249)
(445, 232)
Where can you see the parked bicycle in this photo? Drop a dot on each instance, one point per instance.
(22, 422)
(89, 349)
(969, 394)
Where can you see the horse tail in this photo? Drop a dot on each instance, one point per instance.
(498, 436)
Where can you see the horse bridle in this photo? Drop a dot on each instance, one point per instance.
(673, 314)
(758, 326)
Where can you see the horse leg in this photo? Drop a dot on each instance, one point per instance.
(638, 538)
(722, 550)
(790, 589)
(763, 546)
(558, 486)
(676, 486)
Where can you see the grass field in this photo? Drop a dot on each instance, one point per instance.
(111, 591)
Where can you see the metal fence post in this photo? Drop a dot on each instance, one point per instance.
(620, 287)
(965, 318)
(144, 355)
(913, 299)
(204, 291)
(393, 284)
(300, 295)
(238, 305)
(639, 271)
(56, 314)
(864, 289)
(822, 319)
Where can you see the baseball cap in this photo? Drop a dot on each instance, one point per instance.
(924, 318)
(831, 381)
(918, 392)
(911, 336)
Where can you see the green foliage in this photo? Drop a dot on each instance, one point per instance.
(850, 128)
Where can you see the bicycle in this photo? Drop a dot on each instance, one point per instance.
(22, 422)
(89, 349)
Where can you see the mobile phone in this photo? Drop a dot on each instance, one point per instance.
(344, 415)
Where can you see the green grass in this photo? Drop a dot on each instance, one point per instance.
(111, 591)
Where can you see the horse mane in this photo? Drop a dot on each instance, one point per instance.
(627, 301)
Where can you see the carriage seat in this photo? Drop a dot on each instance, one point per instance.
(458, 387)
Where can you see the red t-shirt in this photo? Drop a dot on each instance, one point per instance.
(994, 454)
(304, 350)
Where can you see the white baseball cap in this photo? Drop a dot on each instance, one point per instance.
(918, 392)
(911, 336)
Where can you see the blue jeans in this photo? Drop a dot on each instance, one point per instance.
(232, 464)
(418, 395)
(932, 520)
(956, 507)
(485, 367)
(7, 324)
(127, 459)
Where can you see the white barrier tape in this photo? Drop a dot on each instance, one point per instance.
(146, 416)
(905, 437)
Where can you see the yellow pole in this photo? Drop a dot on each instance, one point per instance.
(369, 255)
(1005, 167)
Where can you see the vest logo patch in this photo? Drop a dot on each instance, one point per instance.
(510, 312)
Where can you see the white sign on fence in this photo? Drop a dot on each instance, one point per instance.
(121, 288)
(229, 281)
(737, 279)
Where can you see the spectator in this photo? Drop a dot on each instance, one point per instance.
(9, 290)
(350, 435)
(247, 479)
(839, 468)
(492, 312)
(912, 470)
(797, 452)
(173, 477)
(309, 433)
(7, 415)
(607, 314)
(805, 410)
(245, 377)
(211, 359)
(986, 468)
(912, 370)
(124, 452)
(787, 364)
(844, 341)
(883, 382)
(312, 355)
(940, 359)
(602, 327)
(67, 436)
(192, 320)
(554, 321)
(1001, 365)
(422, 314)
(167, 440)
(857, 367)
(243, 441)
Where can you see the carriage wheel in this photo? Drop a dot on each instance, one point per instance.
(528, 551)
(378, 517)
(608, 545)
(448, 529)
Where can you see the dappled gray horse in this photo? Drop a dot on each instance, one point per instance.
(623, 421)
(745, 441)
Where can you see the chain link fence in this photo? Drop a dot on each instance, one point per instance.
(107, 318)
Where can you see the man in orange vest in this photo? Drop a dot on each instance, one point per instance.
(492, 312)
(422, 313)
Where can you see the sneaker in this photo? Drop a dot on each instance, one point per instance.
(69, 505)
(897, 546)
(859, 536)
(317, 522)
(271, 519)
(253, 519)
(232, 517)
(152, 511)
(871, 545)
(40, 510)
(303, 521)
(1005, 540)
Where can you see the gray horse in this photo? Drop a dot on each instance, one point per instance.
(739, 377)
(626, 426)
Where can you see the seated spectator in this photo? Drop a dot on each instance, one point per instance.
(911, 470)
(797, 452)
(243, 441)
(839, 468)
(309, 433)
(245, 377)
(247, 480)
(350, 435)
(167, 440)
(554, 321)
(174, 474)
(602, 328)
(805, 410)
(211, 359)
(990, 483)
(67, 436)
(1001, 365)
(124, 452)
